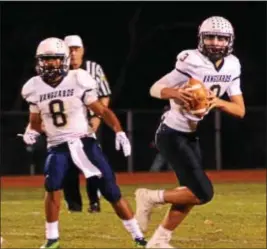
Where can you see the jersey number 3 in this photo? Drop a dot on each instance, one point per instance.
(216, 89)
(56, 108)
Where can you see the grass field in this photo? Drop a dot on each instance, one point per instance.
(236, 218)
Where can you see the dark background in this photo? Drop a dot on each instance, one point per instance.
(136, 43)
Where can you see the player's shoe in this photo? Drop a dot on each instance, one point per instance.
(158, 245)
(144, 207)
(159, 241)
(94, 208)
(51, 243)
(140, 243)
(74, 207)
(75, 210)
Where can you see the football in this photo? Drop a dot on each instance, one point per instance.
(199, 104)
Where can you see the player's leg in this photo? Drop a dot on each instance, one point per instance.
(183, 153)
(158, 163)
(92, 187)
(56, 166)
(71, 190)
(111, 192)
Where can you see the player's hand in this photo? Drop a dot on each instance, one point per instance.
(185, 96)
(30, 136)
(212, 100)
(123, 142)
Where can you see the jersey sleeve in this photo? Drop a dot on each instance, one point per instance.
(183, 69)
(234, 87)
(88, 87)
(28, 93)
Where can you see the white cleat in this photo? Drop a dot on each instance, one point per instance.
(143, 207)
(158, 244)
(159, 240)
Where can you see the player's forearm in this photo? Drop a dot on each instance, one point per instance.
(35, 122)
(35, 126)
(111, 120)
(160, 91)
(42, 127)
(231, 108)
(95, 121)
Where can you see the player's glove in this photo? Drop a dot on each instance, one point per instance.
(123, 142)
(30, 136)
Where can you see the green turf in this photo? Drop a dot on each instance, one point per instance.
(237, 214)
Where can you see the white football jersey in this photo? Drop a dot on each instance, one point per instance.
(63, 107)
(191, 63)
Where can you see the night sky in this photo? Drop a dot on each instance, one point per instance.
(161, 31)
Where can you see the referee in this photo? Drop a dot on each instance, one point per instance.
(71, 189)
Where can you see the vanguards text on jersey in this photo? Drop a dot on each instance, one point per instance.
(56, 94)
(217, 78)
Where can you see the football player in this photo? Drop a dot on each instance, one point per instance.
(58, 99)
(213, 64)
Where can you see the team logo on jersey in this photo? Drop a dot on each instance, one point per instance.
(217, 78)
(56, 94)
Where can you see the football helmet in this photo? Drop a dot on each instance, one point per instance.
(54, 48)
(216, 26)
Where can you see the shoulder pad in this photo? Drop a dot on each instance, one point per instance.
(28, 91)
(234, 63)
(187, 62)
(84, 79)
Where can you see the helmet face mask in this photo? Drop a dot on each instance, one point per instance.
(52, 60)
(216, 38)
(215, 46)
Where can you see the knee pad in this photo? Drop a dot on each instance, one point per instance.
(110, 190)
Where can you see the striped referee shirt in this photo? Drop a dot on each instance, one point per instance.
(96, 71)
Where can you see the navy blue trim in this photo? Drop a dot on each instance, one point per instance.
(83, 96)
(184, 73)
(31, 103)
(219, 67)
(236, 78)
(103, 96)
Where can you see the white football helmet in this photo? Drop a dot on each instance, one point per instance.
(217, 26)
(52, 48)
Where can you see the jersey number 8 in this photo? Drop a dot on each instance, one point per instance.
(56, 108)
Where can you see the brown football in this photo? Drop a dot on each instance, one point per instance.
(199, 104)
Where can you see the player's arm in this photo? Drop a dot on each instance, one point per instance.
(234, 107)
(90, 100)
(171, 85)
(95, 120)
(42, 126)
(113, 122)
(164, 89)
(107, 115)
(34, 127)
(35, 122)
